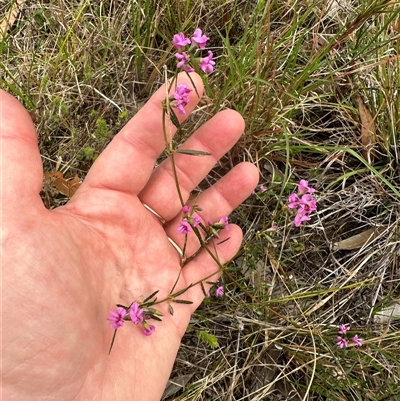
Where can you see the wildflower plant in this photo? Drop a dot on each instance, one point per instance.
(189, 58)
(343, 342)
(303, 201)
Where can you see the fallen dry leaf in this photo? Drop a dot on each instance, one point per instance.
(368, 130)
(66, 187)
(176, 384)
(388, 314)
(359, 240)
(10, 16)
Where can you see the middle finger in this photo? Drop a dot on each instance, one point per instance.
(216, 136)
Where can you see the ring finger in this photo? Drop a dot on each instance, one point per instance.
(216, 202)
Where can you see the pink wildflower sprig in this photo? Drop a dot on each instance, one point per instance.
(180, 98)
(137, 313)
(191, 221)
(303, 201)
(188, 223)
(221, 224)
(190, 55)
(342, 342)
(187, 58)
(215, 227)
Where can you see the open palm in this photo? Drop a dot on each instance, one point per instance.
(64, 269)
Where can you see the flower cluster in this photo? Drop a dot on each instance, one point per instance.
(342, 342)
(136, 315)
(190, 221)
(180, 98)
(303, 201)
(187, 58)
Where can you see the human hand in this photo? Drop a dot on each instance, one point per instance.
(64, 269)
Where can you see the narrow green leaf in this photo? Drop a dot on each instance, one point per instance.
(182, 291)
(174, 119)
(171, 310)
(203, 289)
(150, 296)
(221, 242)
(154, 317)
(154, 311)
(182, 301)
(194, 86)
(191, 152)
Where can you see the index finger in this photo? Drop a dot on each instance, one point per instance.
(127, 162)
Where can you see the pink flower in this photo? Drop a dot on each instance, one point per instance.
(224, 221)
(184, 227)
(199, 39)
(182, 92)
(303, 187)
(136, 313)
(197, 221)
(343, 328)
(342, 342)
(207, 64)
(262, 188)
(149, 330)
(181, 97)
(179, 40)
(357, 341)
(300, 218)
(117, 317)
(219, 292)
(185, 209)
(183, 61)
(307, 204)
(294, 201)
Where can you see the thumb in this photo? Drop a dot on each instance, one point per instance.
(21, 169)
